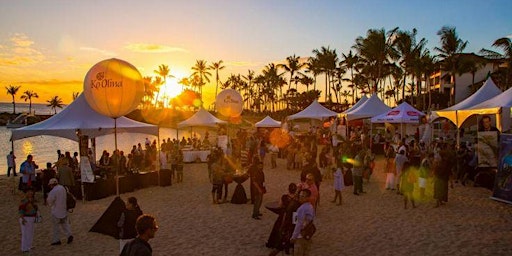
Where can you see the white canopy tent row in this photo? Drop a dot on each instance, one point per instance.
(401, 114)
(314, 111)
(204, 119)
(268, 122)
(373, 106)
(78, 120)
(499, 106)
(486, 92)
(79, 116)
(358, 103)
(201, 118)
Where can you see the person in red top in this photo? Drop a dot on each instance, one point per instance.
(28, 212)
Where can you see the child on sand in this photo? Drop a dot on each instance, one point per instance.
(338, 184)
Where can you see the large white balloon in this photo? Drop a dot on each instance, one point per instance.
(229, 103)
(113, 87)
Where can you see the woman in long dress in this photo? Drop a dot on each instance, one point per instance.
(279, 238)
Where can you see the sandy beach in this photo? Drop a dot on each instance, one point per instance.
(374, 223)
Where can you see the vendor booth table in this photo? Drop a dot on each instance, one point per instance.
(190, 156)
(102, 188)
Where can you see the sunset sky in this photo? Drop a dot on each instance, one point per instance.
(49, 45)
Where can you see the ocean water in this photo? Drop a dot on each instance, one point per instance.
(22, 107)
(44, 148)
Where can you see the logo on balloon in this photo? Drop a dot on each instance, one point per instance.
(229, 103)
(100, 82)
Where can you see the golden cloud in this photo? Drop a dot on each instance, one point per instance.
(243, 64)
(153, 48)
(21, 40)
(96, 50)
(20, 52)
(55, 82)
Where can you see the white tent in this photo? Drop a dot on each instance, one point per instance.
(370, 108)
(487, 91)
(402, 114)
(313, 111)
(358, 103)
(499, 105)
(268, 122)
(80, 116)
(201, 118)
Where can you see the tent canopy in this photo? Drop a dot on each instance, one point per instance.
(358, 103)
(314, 111)
(201, 118)
(500, 104)
(487, 91)
(491, 106)
(370, 108)
(402, 114)
(80, 116)
(268, 122)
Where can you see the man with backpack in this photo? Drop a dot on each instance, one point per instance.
(57, 200)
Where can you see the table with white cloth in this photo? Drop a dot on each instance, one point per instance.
(193, 155)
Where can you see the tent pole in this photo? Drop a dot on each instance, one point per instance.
(13, 168)
(117, 158)
(159, 150)
(371, 137)
(457, 127)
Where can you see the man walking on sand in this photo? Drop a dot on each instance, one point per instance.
(57, 201)
(11, 164)
(146, 228)
(305, 214)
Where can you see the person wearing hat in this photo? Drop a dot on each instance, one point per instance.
(57, 201)
(65, 173)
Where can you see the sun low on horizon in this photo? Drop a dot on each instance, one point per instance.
(170, 90)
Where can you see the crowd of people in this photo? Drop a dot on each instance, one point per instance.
(409, 164)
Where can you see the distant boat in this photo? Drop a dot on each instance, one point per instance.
(22, 120)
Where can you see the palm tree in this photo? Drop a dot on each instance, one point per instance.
(293, 66)
(12, 90)
(307, 81)
(449, 52)
(249, 91)
(163, 71)
(327, 61)
(54, 103)
(201, 72)
(505, 44)
(314, 68)
(408, 51)
(351, 61)
(375, 51)
(428, 65)
(149, 90)
(216, 66)
(272, 82)
(28, 95)
(75, 95)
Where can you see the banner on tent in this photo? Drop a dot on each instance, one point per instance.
(222, 142)
(503, 182)
(487, 149)
(87, 175)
